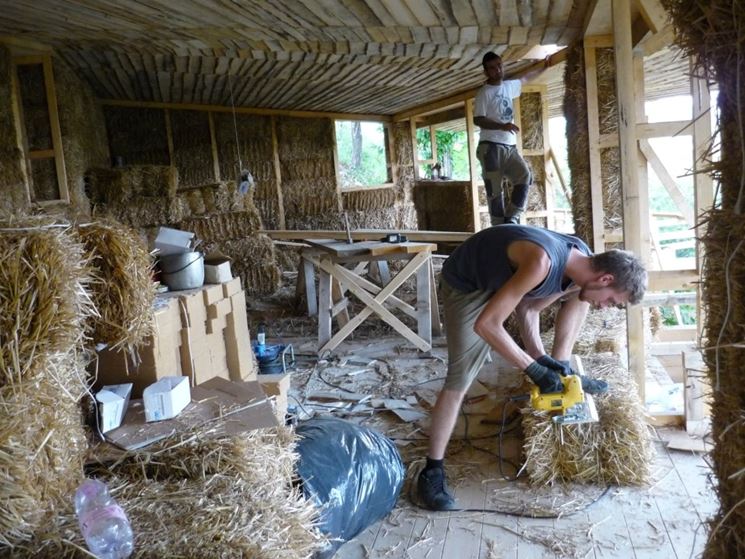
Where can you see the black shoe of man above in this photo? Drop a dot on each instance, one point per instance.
(433, 489)
(589, 385)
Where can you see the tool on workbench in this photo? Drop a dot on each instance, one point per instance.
(394, 238)
(572, 405)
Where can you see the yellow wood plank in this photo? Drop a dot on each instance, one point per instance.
(59, 157)
(593, 131)
(278, 174)
(473, 167)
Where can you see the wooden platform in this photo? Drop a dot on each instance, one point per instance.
(661, 521)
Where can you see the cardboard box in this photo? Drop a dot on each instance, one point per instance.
(279, 387)
(159, 356)
(217, 269)
(221, 308)
(112, 401)
(230, 408)
(231, 288)
(241, 360)
(212, 294)
(173, 241)
(166, 398)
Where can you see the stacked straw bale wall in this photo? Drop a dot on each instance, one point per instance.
(192, 148)
(84, 143)
(712, 34)
(531, 126)
(137, 136)
(578, 147)
(307, 166)
(256, 154)
(12, 182)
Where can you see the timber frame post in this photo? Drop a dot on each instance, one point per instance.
(635, 196)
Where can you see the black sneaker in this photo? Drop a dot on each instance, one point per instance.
(433, 490)
(512, 220)
(594, 385)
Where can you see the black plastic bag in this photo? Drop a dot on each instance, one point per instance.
(352, 473)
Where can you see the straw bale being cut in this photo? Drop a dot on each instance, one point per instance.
(123, 290)
(44, 308)
(616, 450)
(192, 496)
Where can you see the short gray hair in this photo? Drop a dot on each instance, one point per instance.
(628, 272)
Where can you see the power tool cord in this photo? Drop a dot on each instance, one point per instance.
(505, 427)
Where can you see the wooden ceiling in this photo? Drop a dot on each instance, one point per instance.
(351, 56)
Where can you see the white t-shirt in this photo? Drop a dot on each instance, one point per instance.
(495, 102)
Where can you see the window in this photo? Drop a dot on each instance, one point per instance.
(450, 142)
(363, 154)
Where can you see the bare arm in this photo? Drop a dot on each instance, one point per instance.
(532, 267)
(528, 321)
(490, 124)
(569, 321)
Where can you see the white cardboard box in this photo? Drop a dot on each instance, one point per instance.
(173, 241)
(166, 398)
(112, 405)
(217, 269)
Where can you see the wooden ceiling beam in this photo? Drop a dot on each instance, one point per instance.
(244, 110)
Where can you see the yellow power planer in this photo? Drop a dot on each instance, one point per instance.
(571, 405)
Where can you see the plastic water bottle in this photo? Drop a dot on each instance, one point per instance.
(260, 340)
(103, 523)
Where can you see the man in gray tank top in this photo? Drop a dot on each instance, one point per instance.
(523, 269)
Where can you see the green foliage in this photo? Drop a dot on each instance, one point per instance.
(452, 148)
(372, 170)
(687, 314)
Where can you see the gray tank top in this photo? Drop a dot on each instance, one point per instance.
(481, 262)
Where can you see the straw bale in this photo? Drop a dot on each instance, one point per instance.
(84, 140)
(610, 168)
(606, 72)
(724, 331)
(44, 180)
(42, 446)
(44, 306)
(369, 199)
(137, 135)
(578, 147)
(123, 290)
(616, 450)
(43, 292)
(221, 227)
(192, 147)
(256, 154)
(33, 100)
(123, 184)
(531, 120)
(13, 190)
(253, 261)
(195, 496)
(712, 34)
(306, 157)
(443, 206)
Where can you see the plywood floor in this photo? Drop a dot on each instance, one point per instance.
(664, 520)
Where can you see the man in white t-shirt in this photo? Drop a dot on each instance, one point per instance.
(497, 151)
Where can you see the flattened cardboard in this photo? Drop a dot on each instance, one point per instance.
(279, 387)
(217, 269)
(232, 408)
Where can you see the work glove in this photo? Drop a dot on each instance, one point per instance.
(589, 385)
(547, 380)
(561, 367)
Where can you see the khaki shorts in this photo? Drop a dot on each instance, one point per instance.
(467, 350)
